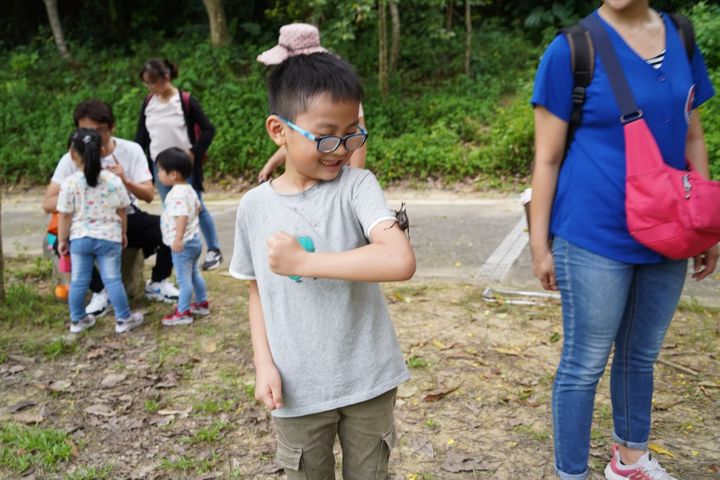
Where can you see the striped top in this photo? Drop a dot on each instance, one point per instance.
(657, 61)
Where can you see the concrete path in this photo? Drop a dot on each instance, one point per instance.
(470, 238)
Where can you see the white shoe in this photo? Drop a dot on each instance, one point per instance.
(99, 304)
(163, 291)
(135, 319)
(82, 325)
(646, 468)
(213, 259)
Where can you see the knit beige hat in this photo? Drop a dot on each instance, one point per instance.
(295, 39)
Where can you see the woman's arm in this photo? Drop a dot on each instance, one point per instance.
(550, 133)
(357, 159)
(268, 384)
(696, 153)
(49, 203)
(695, 148)
(207, 130)
(277, 159)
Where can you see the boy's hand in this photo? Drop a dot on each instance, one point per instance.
(177, 245)
(285, 254)
(124, 241)
(268, 386)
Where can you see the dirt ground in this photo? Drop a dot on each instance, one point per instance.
(178, 403)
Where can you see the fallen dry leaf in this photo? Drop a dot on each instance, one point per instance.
(95, 353)
(59, 386)
(660, 450)
(113, 380)
(439, 394)
(29, 418)
(101, 410)
(463, 462)
(21, 405)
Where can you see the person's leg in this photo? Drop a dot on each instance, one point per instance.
(594, 292)
(653, 299)
(82, 259)
(207, 226)
(305, 445)
(143, 231)
(109, 257)
(198, 282)
(367, 435)
(96, 284)
(183, 262)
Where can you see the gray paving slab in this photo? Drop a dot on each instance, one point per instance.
(453, 236)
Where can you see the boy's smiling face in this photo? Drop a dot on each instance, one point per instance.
(304, 164)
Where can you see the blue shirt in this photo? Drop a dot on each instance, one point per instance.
(589, 206)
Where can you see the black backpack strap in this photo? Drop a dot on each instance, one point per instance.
(686, 31)
(582, 60)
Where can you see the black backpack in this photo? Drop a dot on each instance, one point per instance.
(582, 55)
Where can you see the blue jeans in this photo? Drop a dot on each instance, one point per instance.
(606, 302)
(84, 252)
(207, 224)
(188, 274)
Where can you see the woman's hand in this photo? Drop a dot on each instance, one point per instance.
(544, 268)
(265, 174)
(177, 245)
(268, 386)
(705, 263)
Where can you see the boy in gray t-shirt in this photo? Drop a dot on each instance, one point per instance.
(313, 243)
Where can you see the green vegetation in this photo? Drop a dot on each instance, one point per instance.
(436, 122)
(24, 447)
(91, 473)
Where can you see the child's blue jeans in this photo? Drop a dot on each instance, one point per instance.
(606, 303)
(207, 224)
(187, 272)
(108, 255)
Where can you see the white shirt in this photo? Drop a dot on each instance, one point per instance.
(166, 125)
(128, 154)
(94, 209)
(181, 201)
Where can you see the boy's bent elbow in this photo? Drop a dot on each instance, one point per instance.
(406, 266)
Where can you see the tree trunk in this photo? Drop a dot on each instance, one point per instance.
(395, 38)
(449, 10)
(2, 259)
(382, 48)
(468, 37)
(54, 17)
(218, 25)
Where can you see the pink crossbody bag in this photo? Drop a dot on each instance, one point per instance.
(673, 212)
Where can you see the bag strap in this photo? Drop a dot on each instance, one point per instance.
(629, 110)
(686, 31)
(582, 61)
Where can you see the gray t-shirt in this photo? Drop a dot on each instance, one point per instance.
(332, 340)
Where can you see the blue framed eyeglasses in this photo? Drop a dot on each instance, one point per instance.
(330, 143)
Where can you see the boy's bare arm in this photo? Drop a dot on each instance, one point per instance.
(388, 258)
(180, 226)
(64, 221)
(268, 385)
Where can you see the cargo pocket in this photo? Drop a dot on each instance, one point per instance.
(289, 458)
(387, 443)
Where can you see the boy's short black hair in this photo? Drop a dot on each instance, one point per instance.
(96, 110)
(175, 159)
(296, 81)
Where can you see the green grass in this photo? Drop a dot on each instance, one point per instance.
(91, 473)
(417, 362)
(209, 434)
(23, 447)
(186, 464)
(152, 406)
(26, 306)
(212, 406)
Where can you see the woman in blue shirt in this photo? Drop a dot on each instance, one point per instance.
(614, 290)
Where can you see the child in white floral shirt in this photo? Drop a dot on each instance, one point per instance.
(91, 229)
(180, 229)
